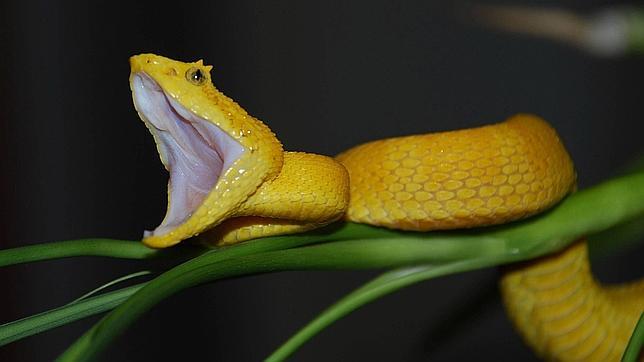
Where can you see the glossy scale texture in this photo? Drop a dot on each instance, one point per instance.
(459, 179)
(310, 191)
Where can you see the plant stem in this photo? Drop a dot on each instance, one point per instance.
(384, 284)
(126, 249)
(35, 324)
(81, 247)
(635, 347)
(109, 284)
(588, 211)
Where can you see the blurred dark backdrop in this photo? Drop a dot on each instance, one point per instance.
(78, 162)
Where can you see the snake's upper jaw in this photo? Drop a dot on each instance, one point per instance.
(194, 151)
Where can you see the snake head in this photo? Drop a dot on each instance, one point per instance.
(217, 155)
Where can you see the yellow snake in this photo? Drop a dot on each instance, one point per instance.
(230, 177)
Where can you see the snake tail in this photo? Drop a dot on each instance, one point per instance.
(564, 314)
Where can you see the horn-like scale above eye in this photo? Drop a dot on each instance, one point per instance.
(195, 76)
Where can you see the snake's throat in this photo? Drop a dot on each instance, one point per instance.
(193, 150)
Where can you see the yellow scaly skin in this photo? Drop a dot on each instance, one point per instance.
(473, 177)
(564, 314)
(459, 179)
(311, 191)
(257, 168)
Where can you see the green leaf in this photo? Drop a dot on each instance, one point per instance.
(82, 307)
(624, 236)
(634, 348)
(385, 284)
(13, 331)
(82, 247)
(585, 212)
(85, 306)
(111, 283)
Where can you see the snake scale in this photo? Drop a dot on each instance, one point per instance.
(231, 180)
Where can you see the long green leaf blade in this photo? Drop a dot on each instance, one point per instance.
(13, 331)
(82, 247)
(110, 284)
(635, 347)
(588, 211)
(384, 284)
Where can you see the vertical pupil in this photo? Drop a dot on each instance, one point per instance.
(197, 75)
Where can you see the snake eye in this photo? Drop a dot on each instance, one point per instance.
(195, 76)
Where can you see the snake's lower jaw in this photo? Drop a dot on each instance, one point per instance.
(194, 151)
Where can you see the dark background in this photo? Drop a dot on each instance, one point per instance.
(78, 162)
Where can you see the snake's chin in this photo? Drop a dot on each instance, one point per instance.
(193, 150)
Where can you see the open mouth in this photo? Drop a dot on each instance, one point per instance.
(194, 151)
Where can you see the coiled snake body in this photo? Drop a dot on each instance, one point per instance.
(231, 180)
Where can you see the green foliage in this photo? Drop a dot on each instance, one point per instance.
(416, 257)
(82, 247)
(26, 327)
(635, 349)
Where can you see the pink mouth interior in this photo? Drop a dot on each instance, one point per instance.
(194, 151)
